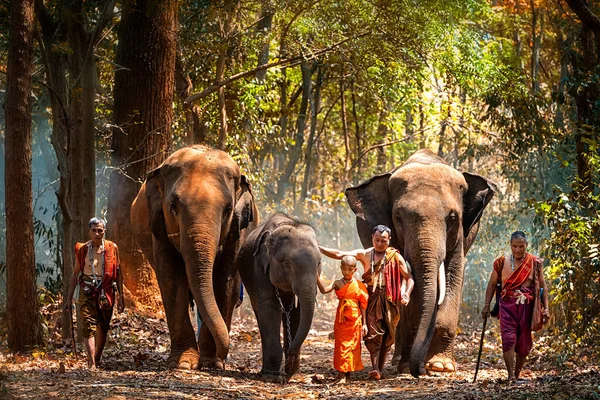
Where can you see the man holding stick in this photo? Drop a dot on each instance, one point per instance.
(516, 272)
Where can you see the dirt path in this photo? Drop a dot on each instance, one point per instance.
(135, 369)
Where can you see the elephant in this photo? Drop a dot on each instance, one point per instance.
(434, 213)
(278, 263)
(190, 218)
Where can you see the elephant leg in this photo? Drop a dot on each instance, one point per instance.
(292, 364)
(173, 284)
(226, 285)
(405, 335)
(268, 314)
(440, 357)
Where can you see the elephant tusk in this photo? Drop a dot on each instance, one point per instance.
(442, 283)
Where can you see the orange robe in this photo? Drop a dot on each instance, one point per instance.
(348, 326)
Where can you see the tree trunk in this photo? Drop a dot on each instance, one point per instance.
(143, 115)
(264, 27)
(345, 128)
(300, 126)
(315, 108)
(382, 132)
(22, 306)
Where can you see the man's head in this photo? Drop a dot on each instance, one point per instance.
(518, 244)
(97, 229)
(348, 266)
(381, 238)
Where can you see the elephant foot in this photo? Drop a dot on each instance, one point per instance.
(273, 378)
(292, 364)
(212, 363)
(440, 363)
(403, 367)
(188, 359)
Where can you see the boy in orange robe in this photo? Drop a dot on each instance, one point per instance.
(350, 315)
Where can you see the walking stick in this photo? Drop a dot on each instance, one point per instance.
(480, 348)
(74, 344)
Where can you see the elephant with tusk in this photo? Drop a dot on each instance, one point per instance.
(434, 212)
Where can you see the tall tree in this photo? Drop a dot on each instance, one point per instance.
(73, 112)
(22, 307)
(144, 89)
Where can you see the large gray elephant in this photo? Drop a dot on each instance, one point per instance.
(277, 262)
(434, 212)
(190, 217)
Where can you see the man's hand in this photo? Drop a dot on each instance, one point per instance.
(405, 299)
(365, 330)
(545, 315)
(67, 304)
(485, 312)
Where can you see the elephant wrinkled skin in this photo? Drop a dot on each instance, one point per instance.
(278, 261)
(434, 212)
(190, 217)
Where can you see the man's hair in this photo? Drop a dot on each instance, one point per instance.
(518, 235)
(349, 260)
(381, 229)
(96, 221)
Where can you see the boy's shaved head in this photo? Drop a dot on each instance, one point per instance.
(349, 260)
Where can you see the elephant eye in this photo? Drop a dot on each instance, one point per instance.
(227, 210)
(452, 217)
(173, 206)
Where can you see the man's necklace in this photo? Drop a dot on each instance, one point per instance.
(512, 262)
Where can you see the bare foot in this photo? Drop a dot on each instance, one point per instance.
(342, 378)
(375, 375)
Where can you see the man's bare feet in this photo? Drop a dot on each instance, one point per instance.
(375, 375)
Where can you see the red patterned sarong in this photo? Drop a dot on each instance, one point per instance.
(515, 323)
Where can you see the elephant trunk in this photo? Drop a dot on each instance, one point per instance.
(306, 300)
(199, 251)
(429, 272)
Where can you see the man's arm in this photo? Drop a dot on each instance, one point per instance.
(545, 303)
(360, 254)
(365, 329)
(121, 301)
(72, 284)
(489, 292)
(410, 282)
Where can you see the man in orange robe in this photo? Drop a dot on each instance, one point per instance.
(384, 271)
(516, 303)
(349, 319)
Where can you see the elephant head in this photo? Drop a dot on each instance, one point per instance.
(197, 202)
(434, 212)
(287, 251)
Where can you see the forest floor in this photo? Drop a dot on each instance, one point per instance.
(134, 367)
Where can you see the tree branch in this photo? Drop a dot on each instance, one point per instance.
(214, 87)
(587, 17)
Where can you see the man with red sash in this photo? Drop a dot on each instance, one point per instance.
(98, 275)
(384, 271)
(516, 272)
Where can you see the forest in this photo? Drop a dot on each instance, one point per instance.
(308, 99)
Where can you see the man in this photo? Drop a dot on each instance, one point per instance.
(98, 274)
(384, 270)
(516, 303)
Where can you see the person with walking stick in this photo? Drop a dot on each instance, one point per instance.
(522, 280)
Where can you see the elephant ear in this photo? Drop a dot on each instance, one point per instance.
(261, 253)
(155, 196)
(245, 206)
(371, 201)
(475, 200)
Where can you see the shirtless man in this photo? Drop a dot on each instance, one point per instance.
(384, 270)
(516, 305)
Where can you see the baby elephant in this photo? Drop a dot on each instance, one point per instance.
(278, 264)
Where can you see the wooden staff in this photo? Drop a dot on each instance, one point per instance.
(480, 348)
(73, 333)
